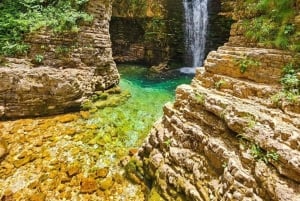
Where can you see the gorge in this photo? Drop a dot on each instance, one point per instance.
(231, 134)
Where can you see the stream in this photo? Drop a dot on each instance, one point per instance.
(77, 156)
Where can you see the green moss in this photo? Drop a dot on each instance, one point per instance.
(154, 195)
(86, 105)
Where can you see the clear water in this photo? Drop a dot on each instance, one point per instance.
(196, 20)
(149, 92)
(43, 151)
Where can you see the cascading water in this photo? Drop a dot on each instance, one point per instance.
(196, 20)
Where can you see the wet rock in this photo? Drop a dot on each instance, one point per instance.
(102, 173)
(73, 170)
(70, 131)
(85, 114)
(88, 185)
(20, 162)
(106, 183)
(3, 148)
(67, 118)
(132, 152)
(114, 90)
(160, 68)
(7, 196)
(37, 197)
(33, 185)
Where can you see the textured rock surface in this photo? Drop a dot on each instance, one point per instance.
(152, 31)
(211, 144)
(224, 138)
(148, 31)
(73, 66)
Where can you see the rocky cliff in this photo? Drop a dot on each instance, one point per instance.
(147, 31)
(224, 137)
(61, 69)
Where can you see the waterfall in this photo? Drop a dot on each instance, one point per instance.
(196, 20)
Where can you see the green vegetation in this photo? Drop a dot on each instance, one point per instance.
(39, 59)
(259, 154)
(247, 62)
(167, 142)
(219, 83)
(200, 98)
(290, 83)
(251, 121)
(256, 151)
(290, 80)
(136, 7)
(155, 31)
(273, 25)
(19, 17)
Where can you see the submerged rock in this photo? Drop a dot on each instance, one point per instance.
(88, 185)
(3, 148)
(106, 183)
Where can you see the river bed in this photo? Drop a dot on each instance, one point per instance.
(77, 156)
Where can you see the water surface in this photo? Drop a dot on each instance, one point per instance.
(77, 156)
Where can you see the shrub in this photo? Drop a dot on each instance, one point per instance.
(19, 17)
(273, 25)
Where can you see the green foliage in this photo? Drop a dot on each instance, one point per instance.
(246, 63)
(259, 154)
(24, 16)
(167, 142)
(137, 7)
(156, 32)
(290, 80)
(62, 50)
(39, 59)
(273, 23)
(251, 121)
(219, 83)
(200, 98)
(291, 85)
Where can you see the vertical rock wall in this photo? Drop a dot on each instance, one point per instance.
(150, 32)
(71, 67)
(224, 138)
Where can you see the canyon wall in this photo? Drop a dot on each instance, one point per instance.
(60, 70)
(152, 32)
(226, 137)
(148, 32)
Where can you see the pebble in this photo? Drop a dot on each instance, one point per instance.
(3, 148)
(67, 118)
(37, 197)
(106, 183)
(88, 185)
(102, 172)
(73, 170)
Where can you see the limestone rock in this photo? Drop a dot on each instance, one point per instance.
(223, 138)
(37, 197)
(106, 183)
(63, 81)
(102, 172)
(3, 148)
(88, 185)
